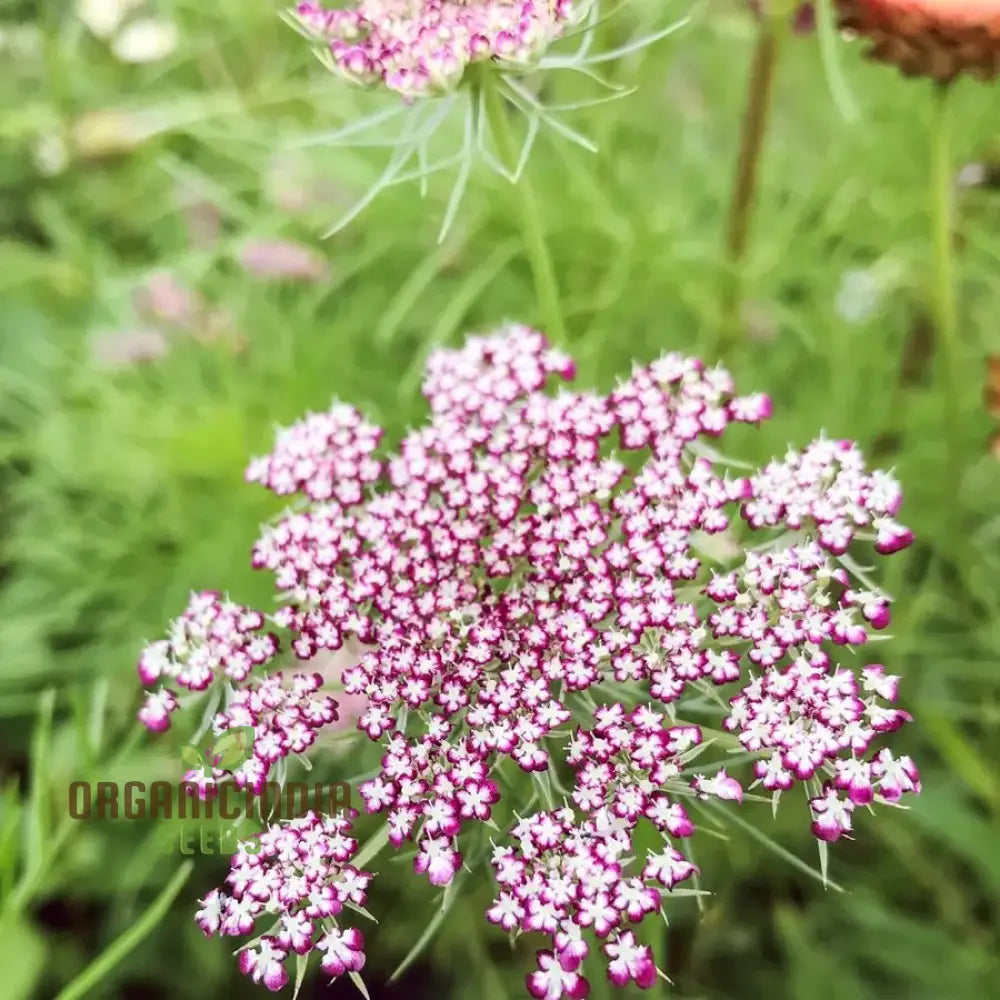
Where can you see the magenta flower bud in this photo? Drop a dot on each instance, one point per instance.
(855, 777)
(155, 660)
(209, 916)
(831, 816)
(630, 962)
(156, 710)
(343, 951)
(437, 859)
(720, 786)
(479, 46)
(877, 614)
(296, 933)
(895, 776)
(552, 982)
(875, 679)
(265, 964)
(891, 537)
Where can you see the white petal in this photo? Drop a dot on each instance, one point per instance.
(103, 17)
(145, 41)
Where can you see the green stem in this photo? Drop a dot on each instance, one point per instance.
(754, 130)
(546, 287)
(944, 297)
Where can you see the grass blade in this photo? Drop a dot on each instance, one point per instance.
(826, 29)
(124, 943)
(375, 844)
(450, 894)
(763, 838)
(39, 821)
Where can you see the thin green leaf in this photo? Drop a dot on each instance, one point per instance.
(827, 31)
(772, 845)
(10, 824)
(462, 178)
(98, 970)
(374, 845)
(301, 964)
(38, 828)
(359, 984)
(636, 45)
(450, 894)
(353, 128)
(824, 860)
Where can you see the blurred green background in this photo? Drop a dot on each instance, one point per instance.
(144, 358)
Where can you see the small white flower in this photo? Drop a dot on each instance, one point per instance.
(104, 17)
(50, 154)
(146, 40)
(858, 296)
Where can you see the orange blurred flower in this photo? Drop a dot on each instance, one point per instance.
(935, 38)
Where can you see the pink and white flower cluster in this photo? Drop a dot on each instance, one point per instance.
(300, 883)
(423, 47)
(807, 718)
(527, 555)
(213, 639)
(327, 456)
(570, 874)
(286, 719)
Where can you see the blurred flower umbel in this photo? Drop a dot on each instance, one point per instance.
(536, 603)
(440, 55)
(282, 260)
(170, 311)
(936, 38)
(104, 17)
(423, 48)
(125, 348)
(163, 298)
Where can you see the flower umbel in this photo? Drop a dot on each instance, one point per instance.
(444, 56)
(542, 589)
(423, 48)
(300, 882)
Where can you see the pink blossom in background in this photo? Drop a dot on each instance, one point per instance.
(219, 326)
(204, 224)
(162, 298)
(282, 260)
(295, 186)
(124, 348)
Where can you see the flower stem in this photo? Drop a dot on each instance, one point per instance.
(546, 287)
(945, 305)
(755, 120)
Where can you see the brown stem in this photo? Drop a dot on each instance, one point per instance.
(755, 119)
